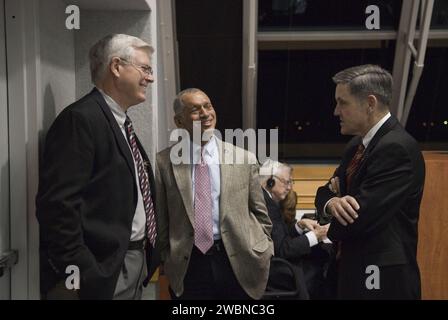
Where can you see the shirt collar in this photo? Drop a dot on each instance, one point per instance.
(210, 149)
(269, 194)
(117, 111)
(371, 133)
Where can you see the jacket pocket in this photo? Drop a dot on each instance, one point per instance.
(262, 245)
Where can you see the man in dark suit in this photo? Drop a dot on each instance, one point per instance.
(374, 197)
(290, 242)
(95, 203)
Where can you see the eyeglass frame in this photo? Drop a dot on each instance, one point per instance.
(286, 183)
(147, 70)
(196, 109)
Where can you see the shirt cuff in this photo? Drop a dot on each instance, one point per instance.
(298, 229)
(326, 204)
(312, 238)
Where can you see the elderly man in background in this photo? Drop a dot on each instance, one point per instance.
(290, 242)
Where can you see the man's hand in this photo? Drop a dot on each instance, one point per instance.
(321, 232)
(343, 209)
(334, 186)
(308, 224)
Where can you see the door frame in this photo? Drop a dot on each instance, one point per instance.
(23, 69)
(5, 280)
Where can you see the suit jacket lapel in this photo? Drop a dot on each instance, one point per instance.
(385, 128)
(226, 164)
(182, 174)
(122, 144)
(346, 161)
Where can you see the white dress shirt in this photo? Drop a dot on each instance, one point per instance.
(371, 133)
(139, 222)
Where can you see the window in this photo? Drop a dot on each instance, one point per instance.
(275, 15)
(303, 43)
(428, 118)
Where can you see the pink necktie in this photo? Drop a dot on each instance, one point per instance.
(203, 221)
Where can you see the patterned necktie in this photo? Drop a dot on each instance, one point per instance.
(354, 164)
(151, 231)
(349, 173)
(203, 220)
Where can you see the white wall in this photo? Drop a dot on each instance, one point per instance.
(57, 54)
(50, 86)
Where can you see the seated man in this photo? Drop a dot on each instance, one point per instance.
(290, 242)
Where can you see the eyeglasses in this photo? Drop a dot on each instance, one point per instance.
(285, 182)
(195, 110)
(147, 70)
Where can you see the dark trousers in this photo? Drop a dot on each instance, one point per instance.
(210, 276)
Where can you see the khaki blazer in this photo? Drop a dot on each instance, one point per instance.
(244, 222)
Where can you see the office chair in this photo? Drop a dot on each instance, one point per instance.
(284, 283)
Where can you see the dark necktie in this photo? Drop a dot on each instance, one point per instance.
(349, 173)
(354, 165)
(151, 231)
(203, 220)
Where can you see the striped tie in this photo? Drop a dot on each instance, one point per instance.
(354, 164)
(151, 231)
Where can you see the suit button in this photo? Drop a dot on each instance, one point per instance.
(186, 257)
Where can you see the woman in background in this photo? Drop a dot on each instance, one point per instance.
(315, 264)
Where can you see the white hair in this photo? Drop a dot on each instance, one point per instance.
(113, 45)
(271, 168)
(178, 104)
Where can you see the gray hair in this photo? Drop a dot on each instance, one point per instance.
(367, 80)
(271, 168)
(178, 104)
(113, 45)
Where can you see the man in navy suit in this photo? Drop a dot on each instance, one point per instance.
(95, 203)
(373, 199)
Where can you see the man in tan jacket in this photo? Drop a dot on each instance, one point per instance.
(213, 226)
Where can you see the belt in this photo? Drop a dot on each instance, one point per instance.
(137, 245)
(217, 247)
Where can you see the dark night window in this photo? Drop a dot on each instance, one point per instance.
(296, 94)
(277, 15)
(428, 118)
